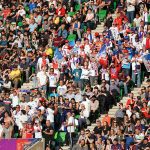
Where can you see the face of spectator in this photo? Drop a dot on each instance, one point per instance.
(61, 83)
(98, 123)
(48, 123)
(82, 143)
(137, 131)
(115, 142)
(6, 114)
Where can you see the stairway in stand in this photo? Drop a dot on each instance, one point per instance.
(99, 29)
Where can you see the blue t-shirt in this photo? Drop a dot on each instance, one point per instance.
(77, 74)
(129, 140)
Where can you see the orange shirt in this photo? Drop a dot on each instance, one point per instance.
(106, 119)
(98, 44)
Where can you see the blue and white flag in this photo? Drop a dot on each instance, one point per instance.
(102, 51)
(146, 60)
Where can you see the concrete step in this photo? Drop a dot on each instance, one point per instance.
(66, 148)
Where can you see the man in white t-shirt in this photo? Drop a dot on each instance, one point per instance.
(15, 99)
(50, 114)
(52, 80)
(70, 126)
(136, 69)
(32, 103)
(42, 79)
(42, 62)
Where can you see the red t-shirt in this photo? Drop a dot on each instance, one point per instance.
(145, 113)
(61, 12)
(114, 73)
(129, 101)
(147, 46)
(6, 12)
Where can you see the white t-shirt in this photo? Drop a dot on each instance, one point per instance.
(61, 90)
(71, 128)
(42, 78)
(85, 73)
(39, 63)
(38, 133)
(32, 104)
(52, 80)
(21, 12)
(15, 100)
(130, 6)
(135, 62)
(137, 21)
(50, 114)
(23, 105)
(42, 108)
(78, 97)
(87, 49)
(115, 33)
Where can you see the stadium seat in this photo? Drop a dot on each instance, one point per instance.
(102, 14)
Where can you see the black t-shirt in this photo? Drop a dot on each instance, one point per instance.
(2, 117)
(98, 130)
(10, 42)
(24, 66)
(48, 129)
(144, 146)
(105, 130)
(13, 13)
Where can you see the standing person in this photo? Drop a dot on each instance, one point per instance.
(77, 75)
(70, 124)
(136, 69)
(130, 10)
(37, 130)
(48, 133)
(52, 80)
(50, 115)
(42, 79)
(62, 88)
(85, 75)
(119, 114)
(15, 99)
(42, 62)
(7, 131)
(93, 72)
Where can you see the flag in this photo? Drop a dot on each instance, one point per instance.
(146, 60)
(102, 51)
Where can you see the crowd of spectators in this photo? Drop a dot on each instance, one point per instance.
(76, 75)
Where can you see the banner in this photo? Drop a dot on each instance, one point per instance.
(17, 144)
(146, 60)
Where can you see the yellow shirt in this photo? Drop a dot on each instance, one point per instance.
(49, 52)
(15, 74)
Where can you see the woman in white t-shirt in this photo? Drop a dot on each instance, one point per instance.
(37, 130)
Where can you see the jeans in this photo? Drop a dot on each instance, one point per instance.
(138, 75)
(82, 122)
(126, 72)
(130, 15)
(121, 83)
(93, 80)
(84, 82)
(78, 84)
